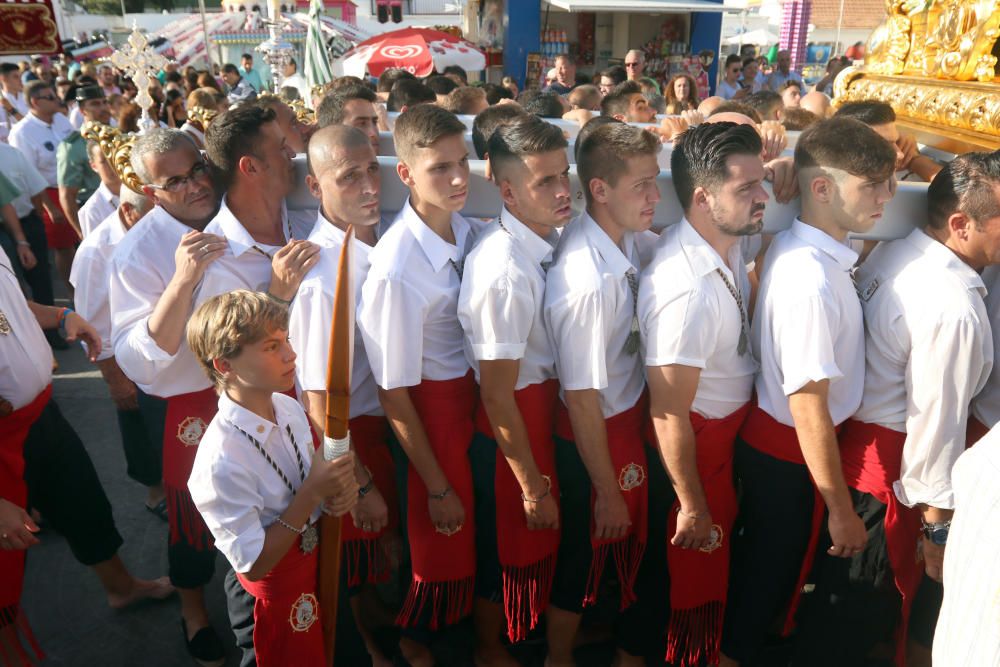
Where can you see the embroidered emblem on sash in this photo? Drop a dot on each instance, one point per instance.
(869, 291)
(631, 476)
(714, 539)
(190, 430)
(304, 612)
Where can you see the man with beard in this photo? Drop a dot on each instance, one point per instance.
(627, 103)
(693, 314)
(77, 180)
(344, 176)
(513, 454)
(809, 337)
(151, 298)
(928, 351)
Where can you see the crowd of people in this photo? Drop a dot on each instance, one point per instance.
(721, 435)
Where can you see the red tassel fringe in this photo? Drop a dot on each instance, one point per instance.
(14, 634)
(185, 520)
(526, 592)
(377, 571)
(450, 601)
(694, 635)
(627, 554)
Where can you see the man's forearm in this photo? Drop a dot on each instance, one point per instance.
(512, 438)
(168, 322)
(111, 371)
(13, 223)
(924, 167)
(405, 421)
(47, 316)
(591, 436)
(818, 440)
(676, 441)
(67, 199)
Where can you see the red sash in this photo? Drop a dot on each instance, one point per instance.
(444, 567)
(766, 434)
(13, 624)
(527, 557)
(699, 579)
(369, 437)
(286, 613)
(872, 456)
(188, 416)
(628, 456)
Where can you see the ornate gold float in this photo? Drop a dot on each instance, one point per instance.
(935, 62)
(117, 148)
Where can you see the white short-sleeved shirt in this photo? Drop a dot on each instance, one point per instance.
(688, 317)
(98, 206)
(409, 303)
(986, 405)
(968, 627)
(928, 351)
(808, 325)
(25, 356)
(91, 278)
(501, 301)
(727, 92)
(24, 176)
(39, 140)
(589, 310)
(142, 266)
(235, 489)
(246, 264)
(311, 312)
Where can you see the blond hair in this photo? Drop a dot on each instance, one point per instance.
(222, 326)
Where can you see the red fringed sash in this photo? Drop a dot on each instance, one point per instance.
(699, 578)
(444, 567)
(13, 625)
(188, 416)
(628, 456)
(527, 557)
(286, 614)
(872, 457)
(369, 437)
(765, 434)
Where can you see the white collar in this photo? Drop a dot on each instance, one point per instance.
(436, 249)
(236, 234)
(612, 255)
(941, 254)
(247, 421)
(702, 257)
(538, 248)
(325, 232)
(841, 253)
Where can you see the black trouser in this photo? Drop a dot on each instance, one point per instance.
(640, 628)
(64, 487)
(769, 542)
(143, 461)
(39, 278)
(483, 457)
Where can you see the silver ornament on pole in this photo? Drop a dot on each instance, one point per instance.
(138, 61)
(276, 50)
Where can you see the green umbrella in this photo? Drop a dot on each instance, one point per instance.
(318, 68)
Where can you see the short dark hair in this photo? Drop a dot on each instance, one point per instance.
(33, 89)
(487, 121)
(792, 83)
(463, 100)
(440, 84)
(733, 58)
(618, 100)
(233, 135)
(605, 150)
(869, 112)
(570, 60)
(966, 184)
(589, 128)
(230, 68)
(731, 106)
(7, 68)
(546, 105)
(617, 74)
(331, 108)
(457, 71)
(422, 125)
(587, 96)
(409, 93)
(797, 119)
(247, 56)
(526, 135)
(388, 79)
(495, 92)
(846, 144)
(700, 154)
(764, 102)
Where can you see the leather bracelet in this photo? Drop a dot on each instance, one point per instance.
(439, 496)
(297, 531)
(548, 490)
(278, 299)
(691, 515)
(366, 489)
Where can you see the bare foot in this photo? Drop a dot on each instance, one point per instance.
(494, 656)
(157, 589)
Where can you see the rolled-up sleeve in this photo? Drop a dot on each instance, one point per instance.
(681, 328)
(803, 343)
(579, 335)
(498, 320)
(89, 278)
(309, 331)
(391, 319)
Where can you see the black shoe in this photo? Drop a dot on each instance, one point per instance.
(205, 647)
(56, 342)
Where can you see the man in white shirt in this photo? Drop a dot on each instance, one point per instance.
(38, 136)
(12, 103)
(105, 200)
(730, 88)
(808, 335)
(409, 321)
(928, 351)
(351, 105)
(296, 132)
(881, 117)
(155, 270)
(693, 314)
(91, 279)
(293, 79)
(985, 410)
(344, 176)
(968, 629)
(513, 454)
(591, 310)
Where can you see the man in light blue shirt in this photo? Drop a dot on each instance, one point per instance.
(249, 73)
(782, 72)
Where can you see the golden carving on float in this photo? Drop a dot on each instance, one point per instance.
(934, 62)
(117, 148)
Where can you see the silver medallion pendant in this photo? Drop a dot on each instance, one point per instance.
(4, 324)
(310, 539)
(742, 346)
(632, 342)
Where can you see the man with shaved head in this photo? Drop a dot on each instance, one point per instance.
(816, 102)
(344, 176)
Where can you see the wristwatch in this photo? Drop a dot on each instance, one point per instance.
(937, 531)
